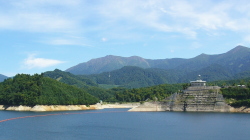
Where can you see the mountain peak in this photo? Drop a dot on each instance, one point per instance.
(239, 49)
(110, 56)
(107, 63)
(203, 54)
(240, 46)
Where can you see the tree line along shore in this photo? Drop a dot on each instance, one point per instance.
(31, 90)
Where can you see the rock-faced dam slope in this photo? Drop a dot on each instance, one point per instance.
(196, 98)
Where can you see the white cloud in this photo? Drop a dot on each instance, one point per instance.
(125, 18)
(33, 62)
(39, 16)
(66, 40)
(104, 39)
(61, 42)
(185, 17)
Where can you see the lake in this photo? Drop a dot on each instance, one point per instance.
(118, 124)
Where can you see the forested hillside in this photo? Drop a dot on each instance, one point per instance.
(25, 89)
(153, 93)
(81, 82)
(237, 96)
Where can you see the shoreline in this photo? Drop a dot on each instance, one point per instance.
(137, 107)
(158, 107)
(47, 108)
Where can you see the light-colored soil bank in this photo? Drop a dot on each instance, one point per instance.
(65, 107)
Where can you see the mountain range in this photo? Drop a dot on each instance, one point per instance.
(2, 77)
(235, 61)
(139, 72)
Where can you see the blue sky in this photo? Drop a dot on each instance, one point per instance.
(38, 36)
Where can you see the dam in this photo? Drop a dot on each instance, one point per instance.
(198, 97)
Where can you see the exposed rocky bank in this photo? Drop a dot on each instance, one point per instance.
(161, 106)
(48, 107)
(242, 109)
(146, 107)
(65, 107)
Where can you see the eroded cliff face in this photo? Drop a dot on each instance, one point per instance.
(196, 99)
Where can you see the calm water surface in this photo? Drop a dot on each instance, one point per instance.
(114, 124)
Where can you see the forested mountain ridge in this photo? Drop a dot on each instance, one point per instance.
(2, 77)
(235, 61)
(135, 77)
(80, 81)
(132, 77)
(70, 79)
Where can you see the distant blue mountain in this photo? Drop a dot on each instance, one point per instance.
(2, 77)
